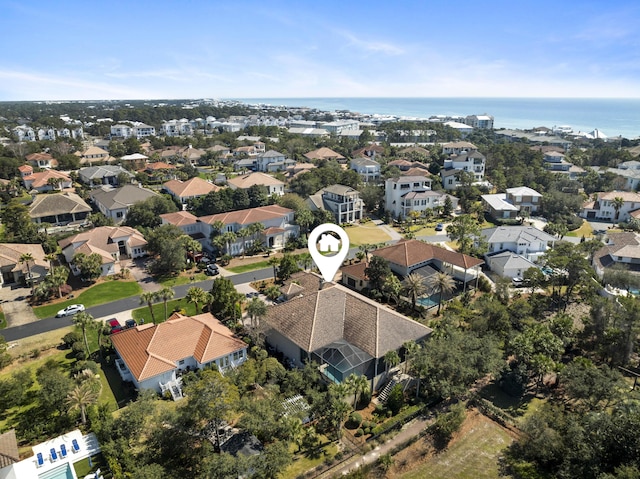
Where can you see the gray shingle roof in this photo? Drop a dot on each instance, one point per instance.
(122, 197)
(511, 234)
(57, 204)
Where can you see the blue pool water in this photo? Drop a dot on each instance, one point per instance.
(427, 302)
(61, 472)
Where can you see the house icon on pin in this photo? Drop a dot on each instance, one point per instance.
(329, 243)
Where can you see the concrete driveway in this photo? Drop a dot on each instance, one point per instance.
(138, 269)
(16, 307)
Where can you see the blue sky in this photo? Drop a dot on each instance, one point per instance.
(72, 50)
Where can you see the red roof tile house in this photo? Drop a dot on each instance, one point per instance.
(42, 181)
(408, 256)
(190, 189)
(41, 160)
(12, 270)
(153, 356)
(341, 330)
(112, 243)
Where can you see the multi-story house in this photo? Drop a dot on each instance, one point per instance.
(526, 241)
(121, 131)
(367, 168)
(613, 206)
(41, 160)
(470, 161)
(184, 191)
(59, 209)
(46, 180)
(324, 153)
(152, 356)
(343, 201)
(405, 194)
(484, 122)
(46, 134)
(515, 202)
(628, 173)
(94, 154)
(271, 161)
(111, 243)
(555, 161)
(24, 133)
(621, 249)
(340, 126)
(457, 147)
(180, 127)
(95, 176)
(140, 130)
(115, 203)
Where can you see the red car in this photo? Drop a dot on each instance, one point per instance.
(115, 326)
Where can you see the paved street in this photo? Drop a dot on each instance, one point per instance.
(111, 310)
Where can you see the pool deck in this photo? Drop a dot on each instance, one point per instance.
(29, 469)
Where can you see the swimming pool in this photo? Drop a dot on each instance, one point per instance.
(427, 302)
(61, 472)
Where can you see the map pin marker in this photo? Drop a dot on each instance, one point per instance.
(328, 265)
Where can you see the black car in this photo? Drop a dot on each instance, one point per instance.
(212, 269)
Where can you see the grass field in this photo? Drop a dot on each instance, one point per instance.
(158, 310)
(99, 294)
(182, 279)
(585, 230)
(368, 233)
(474, 455)
(304, 462)
(243, 268)
(3, 321)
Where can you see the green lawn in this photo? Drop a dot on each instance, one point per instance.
(179, 280)
(3, 321)
(143, 313)
(98, 294)
(473, 456)
(249, 267)
(585, 230)
(368, 233)
(82, 468)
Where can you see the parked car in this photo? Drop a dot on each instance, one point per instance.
(70, 310)
(130, 323)
(212, 269)
(439, 227)
(518, 282)
(115, 326)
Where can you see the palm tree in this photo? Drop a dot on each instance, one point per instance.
(58, 277)
(359, 385)
(274, 262)
(414, 286)
(256, 309)
(27, 258)
(617, 203)
(197, 296)
(229, 237)
(411, 349)
(243, 234)
(391, 360)
(442, 283)
(148, 298)
(51, 257)
(166, 294)
(80, 397)
(84, 320)
(306, 260)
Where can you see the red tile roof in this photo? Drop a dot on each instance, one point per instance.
(411, 252)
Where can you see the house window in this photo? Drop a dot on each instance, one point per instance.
(181, 362)
(119, 214)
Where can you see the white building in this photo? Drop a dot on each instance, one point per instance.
(405, 194)
(343, 201)
(367, 168)
(603, 206)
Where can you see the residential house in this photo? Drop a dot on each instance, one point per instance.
(59, 209)
(13, 271)
(42, 464)
(244, 182)
(628, 173)
(472, 162)
(622, 249)
(508, 265)
(603, 206)
(555, 161)
(154, 356)
(193, 188)
(408, 256)
(277, 222)
(94, 154)
(112, 243)
(94, 176)
(191, 155)
(482, 122)
(526, 241)
(46, 134)
(24, 133)
(309, 132)
(114, 203)
(159, 171)
(271, 161)
(370, 151)
(121, 131)
(298, 169)
(515, 202)
(343, 331)
(405, 194)
(191, 225)
(462, 128)
(354, 277)
(338, 127)
(180, 127)
(367, 168)
(135, 160)
(343, 201)
(141, 130)
(41, 160)
(457, 147)
(41, 181)
(9, 453)
(324, 153)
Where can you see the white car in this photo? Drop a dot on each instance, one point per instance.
(70, 310)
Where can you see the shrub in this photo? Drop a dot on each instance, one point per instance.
(354, 421)
(396, 399)
(447, 424)
(78, 350)
(71, 338)
(359, 433)
(484, 285)
(82, 365)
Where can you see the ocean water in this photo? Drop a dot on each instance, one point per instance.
(613, 117)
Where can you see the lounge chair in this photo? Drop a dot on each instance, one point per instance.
(53, 454)
(63, 451)
(40, 459)
(75, 447)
